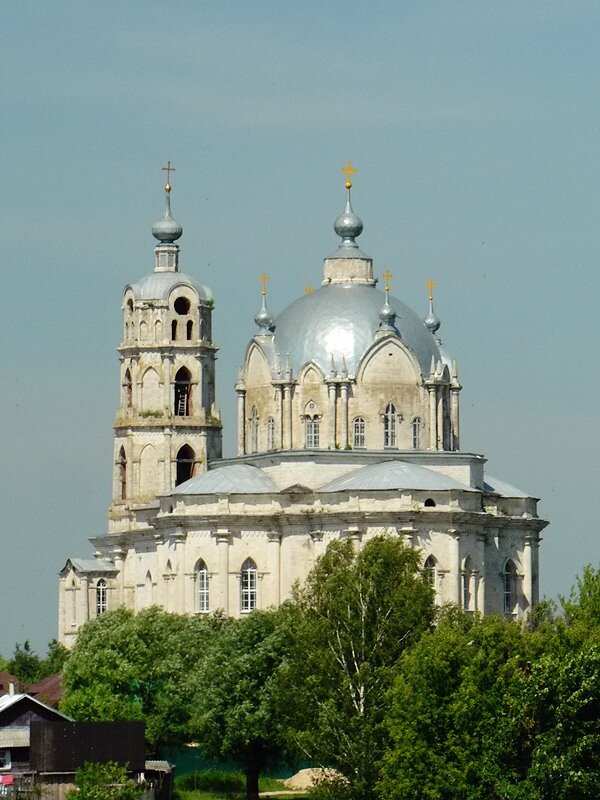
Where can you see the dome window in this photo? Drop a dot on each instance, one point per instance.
(430, 571)
(390, 426)
(509, 581)
(249, 586)
(101, 598)
(174, 330)
(202, 598)
(270, 434)
(189, 330)
(358, 431)
(417, 426)
(182, 306)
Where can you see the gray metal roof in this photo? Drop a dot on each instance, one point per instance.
(393, 475)
(158, 285)
(8, 700)
(342, 320)
(92, 565)
(14, 736)
(502, 488)
(234, 479)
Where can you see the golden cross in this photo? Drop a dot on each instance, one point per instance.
(263, 279)
(309, 290)
(387, 276)
(168, 169)
(431, 286)
(349, 171)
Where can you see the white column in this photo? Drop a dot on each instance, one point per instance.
(241, 422)
(167, 363)
(287, 402)
(119, 559)
(274, 562)
(527, 573)
(221, 594)
(61, 611)
(344, 411)
(432, 419)
(85, 600)
(454, 411)
(480, 606)
(279, 420)
(332, 414)
(455, 572)
(440, 420)
(168, 478)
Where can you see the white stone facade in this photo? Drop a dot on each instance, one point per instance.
(348, 426)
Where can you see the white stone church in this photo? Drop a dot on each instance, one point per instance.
(348, 425)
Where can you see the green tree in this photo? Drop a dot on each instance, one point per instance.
(352, 620)
(235, 707)
(104, 782)
(25, 663)
(137, 667)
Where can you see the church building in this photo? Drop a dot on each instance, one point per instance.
(348, 426)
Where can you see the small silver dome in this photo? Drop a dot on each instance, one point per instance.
(167, 230)
(348, 225)
(387, 316)
(264, 318)
(432, 322)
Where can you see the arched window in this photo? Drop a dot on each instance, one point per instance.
(185, 464)
(189, 330)
(417, 425)
(311, 432)
(202, 604)
(429, 503)
(183, 393)
(122, 464)
(390, 422)
(149, 589)
(254, 430)
(509, 582)
(466, 584)
(101, 598)
(270, 434)
(130, 306)
(174, 330)
(430, 570)
(128, 389)
(249, 582)
(358, 431)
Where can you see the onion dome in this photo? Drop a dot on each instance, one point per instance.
(167, 230)
(264, 319)
(387, 315)
(432, 322)
(348, 225)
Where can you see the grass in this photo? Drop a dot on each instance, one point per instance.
(215, 785)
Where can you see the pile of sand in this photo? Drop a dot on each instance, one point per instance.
(305, 778)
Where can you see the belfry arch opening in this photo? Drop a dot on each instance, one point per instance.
(183, 393)
(122, 466)
(128, 389)
(185, 464)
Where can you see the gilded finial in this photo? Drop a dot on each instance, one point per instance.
(263, 279)
(387, 276)
(431, 286)
(349, 171)
(308, 290)
(168, 169)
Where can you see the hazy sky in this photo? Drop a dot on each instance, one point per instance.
(475, 128)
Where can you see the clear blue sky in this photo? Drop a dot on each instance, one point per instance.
(475, 128)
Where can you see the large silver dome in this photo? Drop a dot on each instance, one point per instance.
(342, 320)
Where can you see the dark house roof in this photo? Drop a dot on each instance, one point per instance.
(48, 690)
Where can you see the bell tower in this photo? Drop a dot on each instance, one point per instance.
(167, 427)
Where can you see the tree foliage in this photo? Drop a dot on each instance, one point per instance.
(29, 667)
(354, 617)
(104, 782)
(138, 667)
(235, 712)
